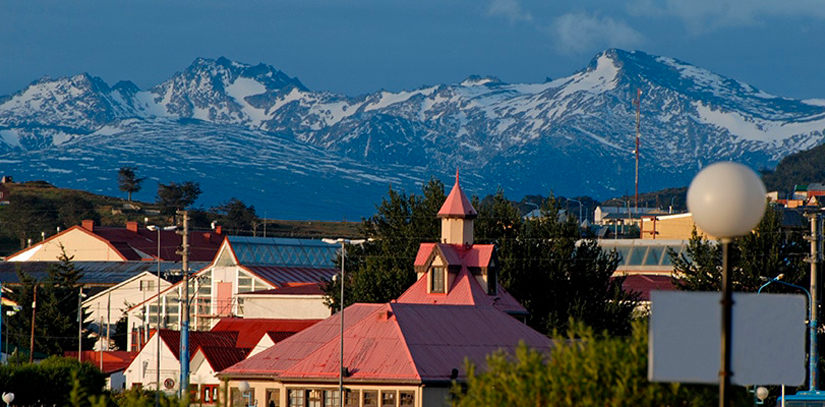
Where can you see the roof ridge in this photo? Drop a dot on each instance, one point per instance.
(404, 340)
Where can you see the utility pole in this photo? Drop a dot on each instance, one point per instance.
(184, 329)
(31, 338)
(638, 103)
(80, 327)
(814, 238)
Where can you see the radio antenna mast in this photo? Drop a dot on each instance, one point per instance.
(638, 103)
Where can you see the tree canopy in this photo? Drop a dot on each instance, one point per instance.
(173, 197)
(236, 217)
(128, 181)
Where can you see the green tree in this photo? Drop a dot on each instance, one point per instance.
(584, 369)
(767, 252)
(56, 328)
(128, 181)
(554, 271)
(52, 382)
(236, 217)
(380, 271)
(173, 197)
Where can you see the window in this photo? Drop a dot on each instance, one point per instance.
(331, 398)
(491, 280)
(370, 398)
(314, 399)
(407, 398)
(388, 398)
(209, 393)
(297, 397)
(273, 397)
(147, 285)
(236, 397)
(437, 280)
(352, 397)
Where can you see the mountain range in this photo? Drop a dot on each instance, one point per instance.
(255, 133)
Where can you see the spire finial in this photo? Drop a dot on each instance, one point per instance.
(456, 175)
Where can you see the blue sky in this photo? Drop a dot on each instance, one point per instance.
(355, 47)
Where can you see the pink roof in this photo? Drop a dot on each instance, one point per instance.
(478, 255)
(396, 342)
(465, 290)
(457, 204)
(113, 360)
(251, 330)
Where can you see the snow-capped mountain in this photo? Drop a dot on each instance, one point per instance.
(572, 136)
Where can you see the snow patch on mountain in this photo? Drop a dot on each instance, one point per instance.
(756, 129)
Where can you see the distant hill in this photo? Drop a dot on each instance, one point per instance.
(801, 168)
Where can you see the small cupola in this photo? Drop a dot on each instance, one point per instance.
(457, 216)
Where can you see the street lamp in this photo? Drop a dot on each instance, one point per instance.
(343, 243)
(8, 398)
(727, 200)
(580, 208)
(813, 355)
(157, 313)
(244, 388)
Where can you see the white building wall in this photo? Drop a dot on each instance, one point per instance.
(285, 307)
(143, 368)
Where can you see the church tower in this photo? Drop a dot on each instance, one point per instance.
(457, 216)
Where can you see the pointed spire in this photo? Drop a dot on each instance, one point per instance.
(457, 205)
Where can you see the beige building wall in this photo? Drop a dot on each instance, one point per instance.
(671, 227)
(76, 242)
(285, 306)
(258, 390)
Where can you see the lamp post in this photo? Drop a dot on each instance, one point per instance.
(343, 243)
(157, 313)
(8, 398)
(812, 327)
(580, 208)
(727, 200)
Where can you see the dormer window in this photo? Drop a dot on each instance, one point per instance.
(437, 280)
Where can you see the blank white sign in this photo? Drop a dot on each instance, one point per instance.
(768, 338)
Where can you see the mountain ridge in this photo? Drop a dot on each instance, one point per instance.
(573, 135)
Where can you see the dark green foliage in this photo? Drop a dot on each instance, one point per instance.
(128, 181)
(120, 337)
(584, 369)
(235, 217)
(545, 264)
(767, 252)
(173, 197)
(802, 168)
(26, 216)
(656, 199)
(56, 327)
(74, 208)
(381, 270)
(52, 382)
(144, 398)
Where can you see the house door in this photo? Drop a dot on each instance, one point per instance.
(224, 299)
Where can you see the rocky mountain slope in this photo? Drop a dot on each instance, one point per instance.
(258, 134)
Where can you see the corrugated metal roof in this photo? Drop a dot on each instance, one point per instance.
(221, 357)
(457, 204)
(465, 290)
(402, 342)
(197, 339)
(94, 272)
(644, 284)
(477, 255)
(251, 330)
(284, 276)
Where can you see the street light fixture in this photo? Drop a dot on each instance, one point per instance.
(157, 312)
(343, 243)
(727, 200)
(8, 398)
(244, 388)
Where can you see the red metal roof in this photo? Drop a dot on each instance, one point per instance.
(113, 361)
(198, 339)
(465, 290)
(131, 243)
(457, 204)
(287, 276)
(399, 342)
(220, 357)
(251, 330)
(644, 284)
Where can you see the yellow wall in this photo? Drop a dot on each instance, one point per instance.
(78, 243)
(258, 388)
(672, 227)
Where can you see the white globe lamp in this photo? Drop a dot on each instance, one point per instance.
(726, 199)
(8, 398)
(761, 393)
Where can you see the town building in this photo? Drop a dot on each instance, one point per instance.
(404, 353)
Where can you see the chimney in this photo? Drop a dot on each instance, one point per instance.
(218, 229)
(132, 226)
(88, 224)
